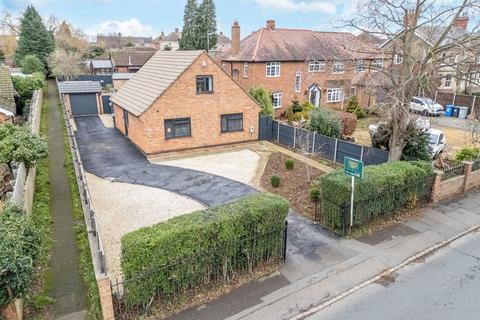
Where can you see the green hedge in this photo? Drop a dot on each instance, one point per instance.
(383, 188)
(190, 250)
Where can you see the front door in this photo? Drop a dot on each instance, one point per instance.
(125, 121)
(315, 96)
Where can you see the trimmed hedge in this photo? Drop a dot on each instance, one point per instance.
(189, 250)
(383, 188)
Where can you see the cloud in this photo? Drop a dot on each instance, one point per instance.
(298, 6)
(130, 27)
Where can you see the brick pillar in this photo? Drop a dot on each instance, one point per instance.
(436, 185)
(105, 292)
(467, 170)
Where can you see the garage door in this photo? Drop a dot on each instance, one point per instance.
(83, 104)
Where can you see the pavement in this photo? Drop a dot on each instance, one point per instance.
(449, 122)
(330, 266)
(444, 286)
(109, 155)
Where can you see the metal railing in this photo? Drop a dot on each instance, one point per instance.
(98, 251)
(186, 277)
(454, 171)
(476, 165)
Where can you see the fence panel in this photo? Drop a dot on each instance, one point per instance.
(374, 156)
(265, 129)
(287, 135)
(106, 104)
(348, 149)
(104, 79)
(325, 146)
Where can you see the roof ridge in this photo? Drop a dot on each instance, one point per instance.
(257, 45)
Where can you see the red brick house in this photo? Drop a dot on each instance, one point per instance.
(130, 61)
(301, 64)
(182, 100)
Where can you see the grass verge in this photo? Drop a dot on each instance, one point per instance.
(85, 257)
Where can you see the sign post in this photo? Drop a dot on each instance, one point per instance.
(353, 168)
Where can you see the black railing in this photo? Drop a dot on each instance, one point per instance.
(476, 165)
(168, 285)
(454, 171)
(336, 216)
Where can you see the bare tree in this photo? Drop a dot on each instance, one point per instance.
(304, 141)
(65, 63)
(423, 42)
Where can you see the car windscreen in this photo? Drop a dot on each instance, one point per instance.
(428, 101)
(433, 138)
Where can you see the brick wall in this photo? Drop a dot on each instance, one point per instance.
(181, 100)
(450, 187)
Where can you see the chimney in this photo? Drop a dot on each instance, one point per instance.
(461, 21)
(235, 38)
(221, 33)
(409, 18)
(176, 30)
(271, 25)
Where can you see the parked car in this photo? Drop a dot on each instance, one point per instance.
(426, 106)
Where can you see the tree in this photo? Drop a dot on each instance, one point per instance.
(422, 62)
(94, 52)
(262, 96)
(65, 63)
(206, 26)
(19, 144)
(34, 38)
(325, 122)
(70, 39)
(25, 86)
(189, 41)
(31, 64)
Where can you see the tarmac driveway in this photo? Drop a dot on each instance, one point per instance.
(107, 154)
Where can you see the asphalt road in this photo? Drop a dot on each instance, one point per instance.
(445, 286)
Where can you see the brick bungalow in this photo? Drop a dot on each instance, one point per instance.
(182, 100)
(302, 64)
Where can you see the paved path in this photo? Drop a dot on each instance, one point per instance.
(107, 154)
(445, 286)
(67, 288)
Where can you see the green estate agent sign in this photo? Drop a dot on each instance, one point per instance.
(353, 167)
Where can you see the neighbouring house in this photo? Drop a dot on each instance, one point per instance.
(459, 71)
(168, 42)
(130, 61)
(81, 98)
(223, 43)
(300, 64)
(8, 108)
(119, 79)
(120, 42)
(182, 100)
(101, 66)
(374, 40)
(8, 44)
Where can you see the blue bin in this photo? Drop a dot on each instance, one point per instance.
(449, 110)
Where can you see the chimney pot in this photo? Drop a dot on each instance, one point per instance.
(235, 38)
(176, 30)
(271, 25)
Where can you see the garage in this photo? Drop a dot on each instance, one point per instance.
(81, 98)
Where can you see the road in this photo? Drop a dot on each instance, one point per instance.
(444, 286)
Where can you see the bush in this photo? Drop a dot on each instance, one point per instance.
(289, 164)
(275, 180)
(314, 194)
(349, 123)
(467, 154)
(207, 236)
(31, 64)
(262, 96)
(296, 111)
(355, 108)
(25, 86)
(18, 253)
(401, 176)
(325, 122)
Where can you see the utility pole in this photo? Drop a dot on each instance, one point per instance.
(208, 40)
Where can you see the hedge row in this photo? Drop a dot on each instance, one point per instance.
(383, 189)
(193, 249)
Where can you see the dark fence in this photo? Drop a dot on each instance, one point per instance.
(208, 270)
(476, 165)
(336, 216)
(454, 171)
(470, 101)
(106, 104)
(103, 78)
(330, 148)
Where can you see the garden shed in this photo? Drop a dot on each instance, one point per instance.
(81, 97)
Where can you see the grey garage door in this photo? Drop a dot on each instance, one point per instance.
(83, 104)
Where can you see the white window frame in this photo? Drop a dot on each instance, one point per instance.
(298, 81)
(277, 98)
(245, 70)
(316, 66)
(377, 64)
(397, 59)
(334, 95)
(338, 67)
(360, 65)
(272, 69)
(449, 80)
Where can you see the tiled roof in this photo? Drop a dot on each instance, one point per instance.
(223, 39)
(156, 76)
(121, 41)
(102, 64)
(126, 58)
(7, 98)
(371, 39)
(173, 36)
(79, 86)
(301, 45)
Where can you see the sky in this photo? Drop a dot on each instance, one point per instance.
(149, 17)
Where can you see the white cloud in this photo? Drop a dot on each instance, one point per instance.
(298, 6)
(130, 27)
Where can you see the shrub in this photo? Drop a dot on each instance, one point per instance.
(349, 123)
(314, 194)
(467, 154)
(289, 164)
(262, 96)
(355, 108)
(219, 240)
(296, 111)
(325, 122)
(25, 86)
(275, 180)
(31, 64)
(401, 176)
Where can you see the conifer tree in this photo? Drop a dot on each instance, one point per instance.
(189, 31)
(207, 25)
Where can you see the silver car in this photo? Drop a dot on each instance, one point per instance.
(426, 106)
